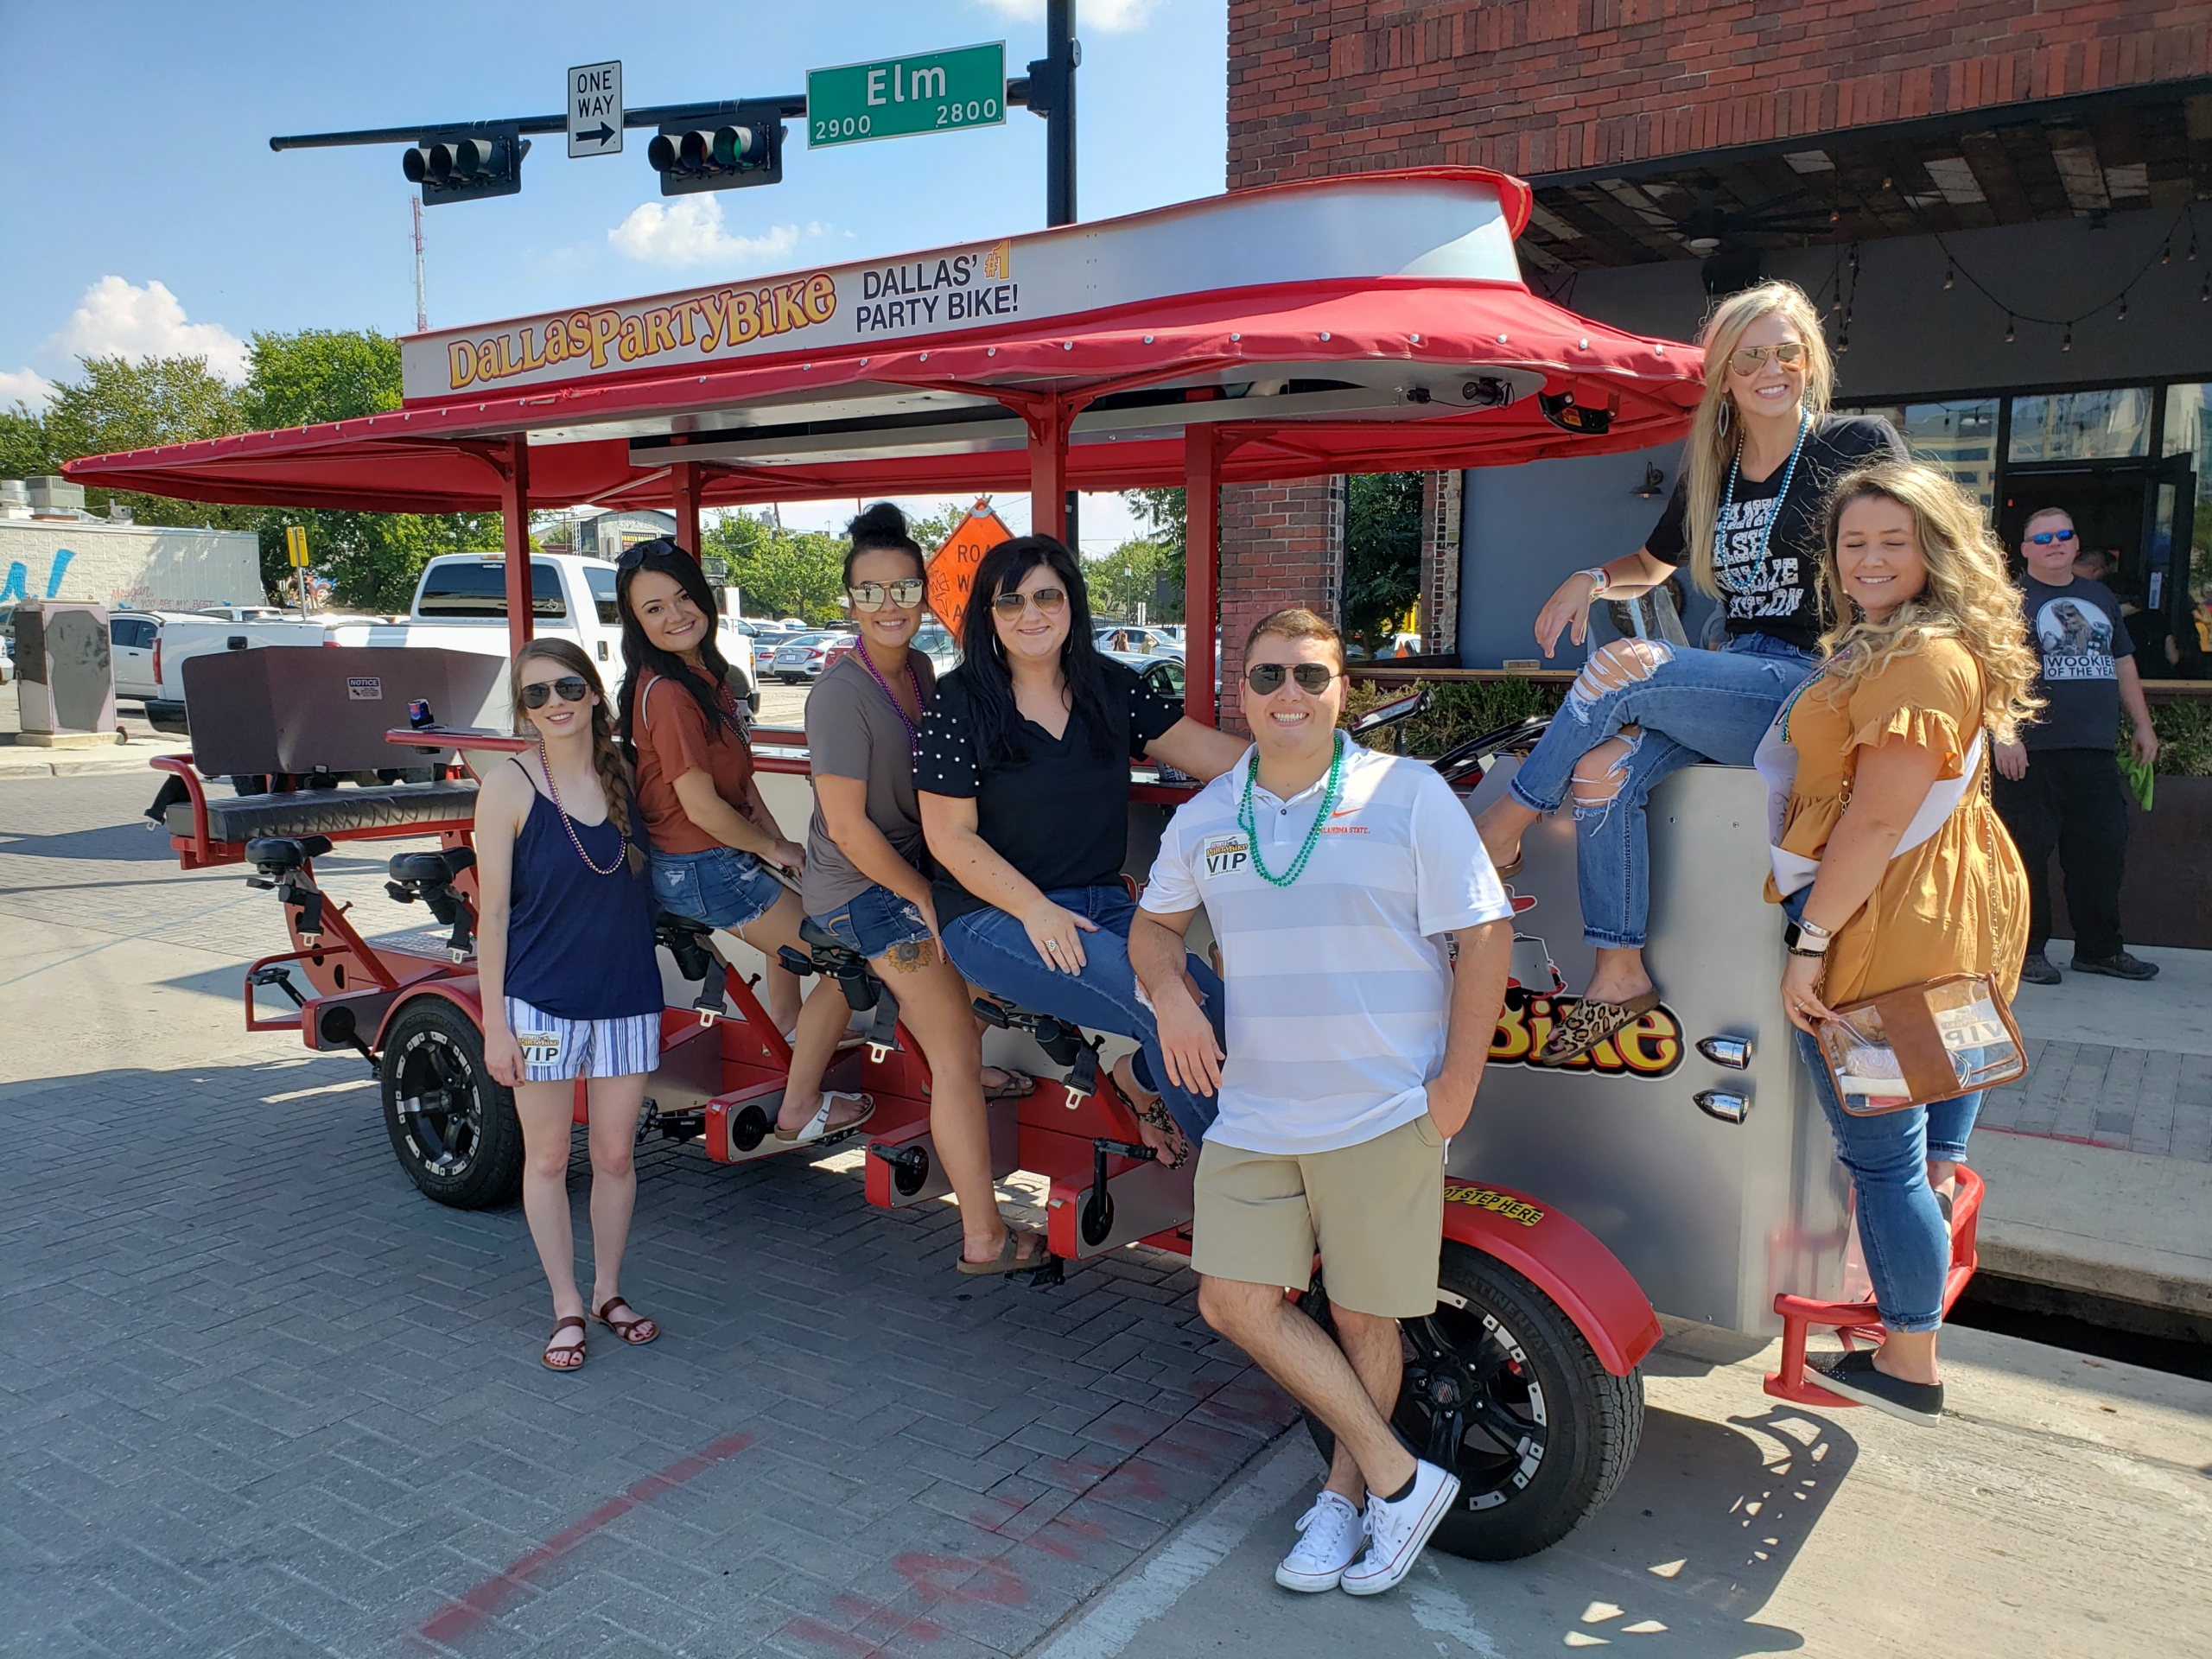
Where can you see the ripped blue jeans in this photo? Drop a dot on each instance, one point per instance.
(1689, 705)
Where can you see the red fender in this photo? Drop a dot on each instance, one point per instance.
(460, 989)
(1563, 1258)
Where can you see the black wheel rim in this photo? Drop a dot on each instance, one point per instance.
(1471, 1404)
(439, 1106)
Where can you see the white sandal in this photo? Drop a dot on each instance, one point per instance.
(818, 1125)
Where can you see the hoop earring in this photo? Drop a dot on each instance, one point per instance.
(1721, 421)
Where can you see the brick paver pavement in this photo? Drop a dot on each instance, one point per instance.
(2135, 1099)
(263, 1398)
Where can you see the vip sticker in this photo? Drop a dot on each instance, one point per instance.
(1225, 855)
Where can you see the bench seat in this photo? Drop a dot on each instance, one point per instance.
(334, 812)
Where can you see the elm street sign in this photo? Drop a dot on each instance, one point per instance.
(596, 110)
(900, 97)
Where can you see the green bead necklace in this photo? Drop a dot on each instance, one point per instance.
(1246, 821)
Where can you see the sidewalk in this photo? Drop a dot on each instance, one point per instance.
(19, 760)
(2100, 1161)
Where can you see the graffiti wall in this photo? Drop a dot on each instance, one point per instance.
(128, 566)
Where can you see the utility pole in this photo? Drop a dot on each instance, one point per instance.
(1055, 77)
(422, 309)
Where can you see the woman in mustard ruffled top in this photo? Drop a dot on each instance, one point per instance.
(1891, 861)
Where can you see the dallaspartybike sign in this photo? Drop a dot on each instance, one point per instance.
(900, 97)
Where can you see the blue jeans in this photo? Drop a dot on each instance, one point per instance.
(1698, 705)
(1900, 1227)
(875, 923)
(993, 949)
(721, 887)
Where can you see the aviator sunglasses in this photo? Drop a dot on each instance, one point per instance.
(906, 593)
(1051, 601)
(572, 689)
(1266, 678)
(1750, 358)
(2045, 538)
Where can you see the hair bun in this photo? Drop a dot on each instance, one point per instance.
(882, 521)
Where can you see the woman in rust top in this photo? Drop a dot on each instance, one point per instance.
(713, 836)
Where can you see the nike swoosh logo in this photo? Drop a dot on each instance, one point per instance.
(1343, 812)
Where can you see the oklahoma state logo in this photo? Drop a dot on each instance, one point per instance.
(1651, 1047)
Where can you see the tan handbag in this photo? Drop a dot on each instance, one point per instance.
(1946, 1036)
(1918, 1043)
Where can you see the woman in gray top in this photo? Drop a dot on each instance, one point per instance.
(863, 878)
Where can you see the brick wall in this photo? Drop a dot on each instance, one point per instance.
(1440, 561)
(1281, 545)
(1538, 86)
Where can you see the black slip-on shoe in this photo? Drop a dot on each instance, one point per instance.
(1854, 1377)
(2122, 966)
(2037, 970)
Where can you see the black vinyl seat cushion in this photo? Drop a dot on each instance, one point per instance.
(329, 811)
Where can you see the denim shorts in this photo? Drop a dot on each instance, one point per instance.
(875, 923)
(721, 887)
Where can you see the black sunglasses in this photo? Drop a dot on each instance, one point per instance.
(634, 554)
(571, 688)
(1266, 678)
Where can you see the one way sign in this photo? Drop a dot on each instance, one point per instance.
(596, 110)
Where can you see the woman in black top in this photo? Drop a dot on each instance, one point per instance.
(1024, 785)
(1763, 453)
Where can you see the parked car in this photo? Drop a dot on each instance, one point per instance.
(460, 603)
(802, 659)
(131, 638)
(244, 613)
(1136, 640)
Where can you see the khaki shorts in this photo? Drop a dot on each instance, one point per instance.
(1374, 1211)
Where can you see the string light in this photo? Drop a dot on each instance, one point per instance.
(2008, 329)
(1950, 270)
(2122, 317)
(2067, 343)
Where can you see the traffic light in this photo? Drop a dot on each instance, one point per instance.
(742, 149)
(465, 167)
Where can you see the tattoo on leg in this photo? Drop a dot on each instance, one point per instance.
(913, 958)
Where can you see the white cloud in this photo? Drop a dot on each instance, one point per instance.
(116, 319)
(691, 233)
(28, 386)
(1108, 16)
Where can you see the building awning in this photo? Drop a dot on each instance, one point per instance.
(2144, 148)
(1371, 323)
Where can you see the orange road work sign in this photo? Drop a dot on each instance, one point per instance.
(952, 566)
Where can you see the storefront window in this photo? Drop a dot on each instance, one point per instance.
(2188, 432)
(2081, 425)
(1958, 437)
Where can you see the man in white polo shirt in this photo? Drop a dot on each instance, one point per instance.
(1331, 875)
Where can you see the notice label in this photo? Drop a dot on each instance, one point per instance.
(364, 688)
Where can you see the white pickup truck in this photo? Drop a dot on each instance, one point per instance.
(460, 603)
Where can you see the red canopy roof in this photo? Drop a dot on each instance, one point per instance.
(1334, 371)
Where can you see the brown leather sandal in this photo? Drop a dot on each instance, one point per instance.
(552, 1359)
(1009, 1258)
(626, 1329)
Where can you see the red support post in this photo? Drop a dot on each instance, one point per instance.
(1201, 567)
(1048, 469)
(514, 509)
(686, 484)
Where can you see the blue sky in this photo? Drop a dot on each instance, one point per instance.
(146, 213)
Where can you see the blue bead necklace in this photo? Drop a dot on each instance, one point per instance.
(1728, 500)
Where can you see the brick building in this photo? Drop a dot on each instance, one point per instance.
(2004, 210)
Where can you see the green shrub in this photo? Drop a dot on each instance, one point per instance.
(1457, 710)
(2184, 729)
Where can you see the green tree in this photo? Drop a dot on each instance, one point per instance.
(373, 559)
(1165, 514)
(1382, 554)
(115, 404)
(780, 572)
(1131, 575)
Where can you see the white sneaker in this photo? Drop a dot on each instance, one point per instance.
(1330, 1534)
(1396, 1532)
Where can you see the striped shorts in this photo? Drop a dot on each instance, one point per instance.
(555, 1050)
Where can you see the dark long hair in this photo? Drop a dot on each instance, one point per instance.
(641, 659)
(882, 528)
(605, 760)
(982, 668)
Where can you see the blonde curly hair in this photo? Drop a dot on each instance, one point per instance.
(1968, 597)
(1712, 446)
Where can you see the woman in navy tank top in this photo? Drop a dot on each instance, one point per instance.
(570, 983)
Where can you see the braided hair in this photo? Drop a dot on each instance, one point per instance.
(606, 757)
